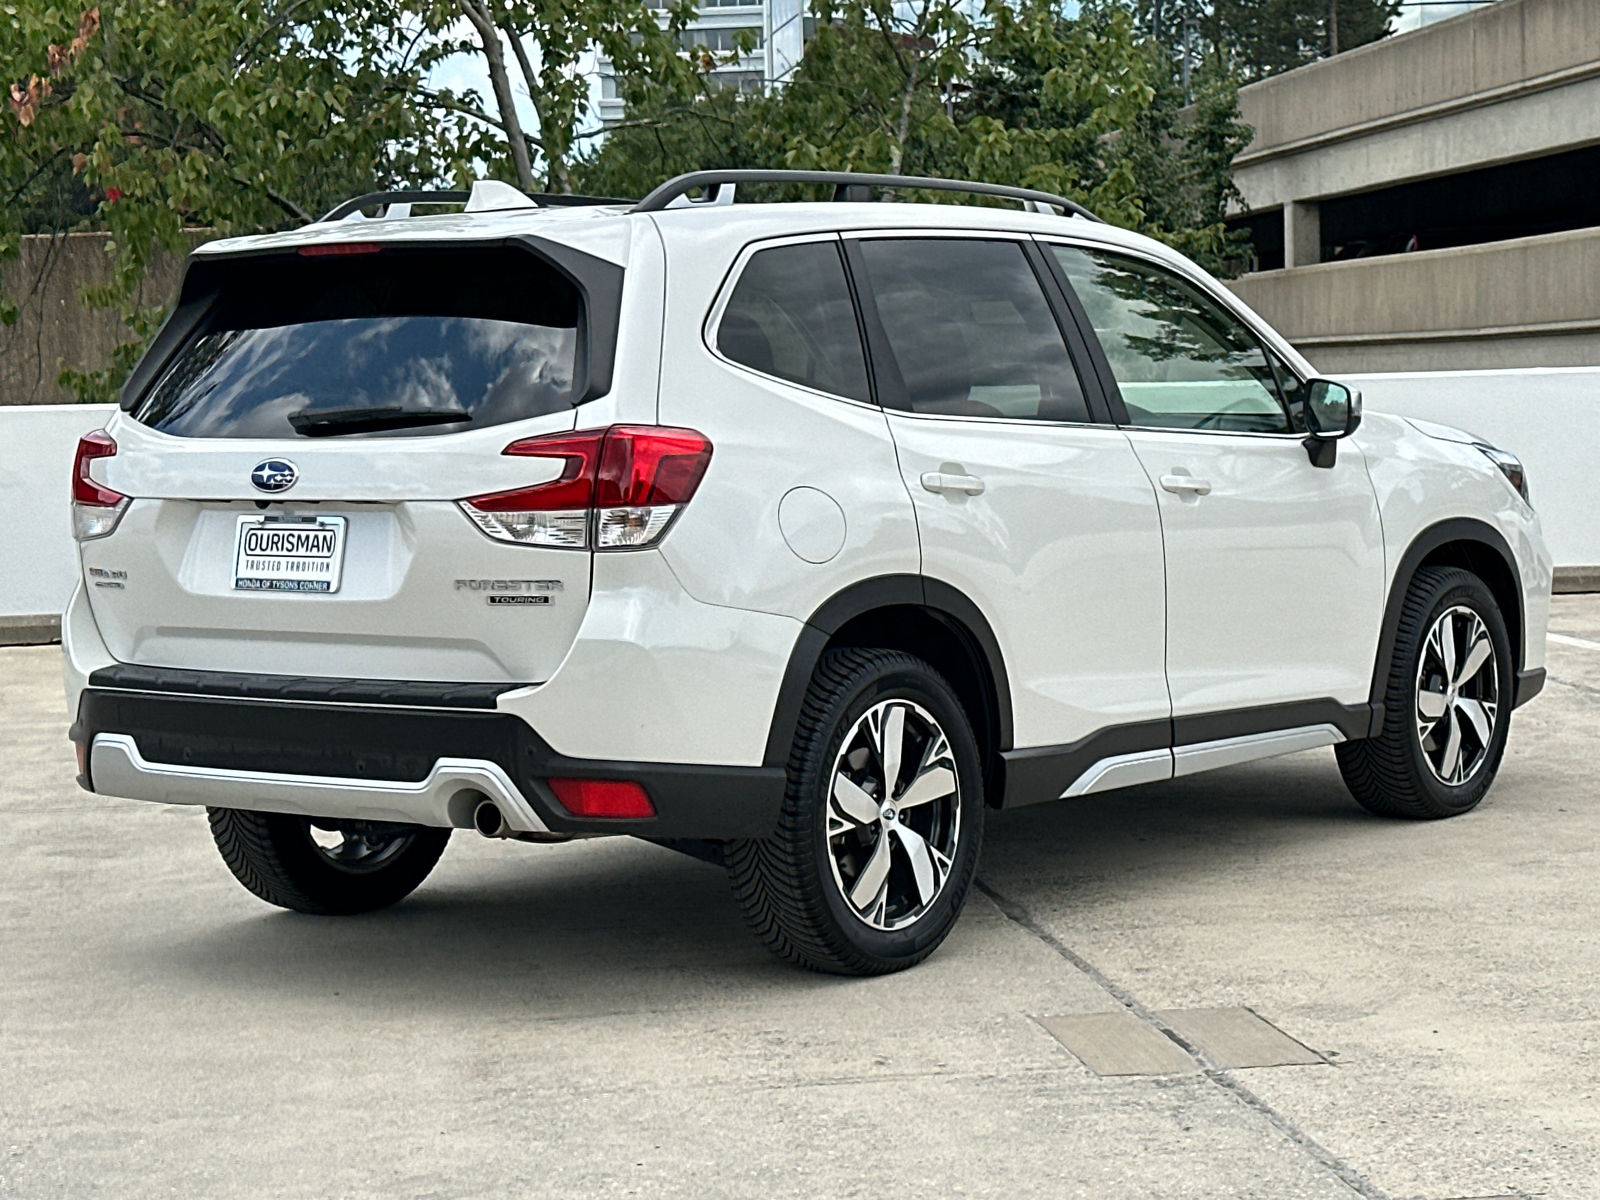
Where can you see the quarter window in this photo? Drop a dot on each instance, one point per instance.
(790, 315)
(1181, 361)
(971, 331)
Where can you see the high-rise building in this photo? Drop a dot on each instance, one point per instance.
(776, 32)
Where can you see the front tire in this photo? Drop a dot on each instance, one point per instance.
(878, 839)
(313, 866)
(1447, 707)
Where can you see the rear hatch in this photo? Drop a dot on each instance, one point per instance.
(298, 457)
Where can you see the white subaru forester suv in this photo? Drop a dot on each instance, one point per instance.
(790, 535)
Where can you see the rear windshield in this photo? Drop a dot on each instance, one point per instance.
(392, 344)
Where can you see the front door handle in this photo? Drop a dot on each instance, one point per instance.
(941, 481)
(1185, 483)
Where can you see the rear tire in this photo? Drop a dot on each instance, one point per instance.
(307, 866)
(1447, 707)
(878, 839)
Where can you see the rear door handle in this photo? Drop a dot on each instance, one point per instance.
(939, 481)
(1185, 483)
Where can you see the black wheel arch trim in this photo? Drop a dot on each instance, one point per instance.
(1455, 529)
(941, 599)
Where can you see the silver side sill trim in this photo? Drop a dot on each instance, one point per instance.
(1228, 752)
(1153, 766)
(1122, 770)
(444, 799)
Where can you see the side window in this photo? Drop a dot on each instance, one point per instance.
(790, 315)
(1181, 360)
(971, 331)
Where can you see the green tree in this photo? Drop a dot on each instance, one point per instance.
(563, 35)
(1258, 38)
(1012, 94)
(145, 118)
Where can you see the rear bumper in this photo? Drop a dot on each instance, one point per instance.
(388, 762)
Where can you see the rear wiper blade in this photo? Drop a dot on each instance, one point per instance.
(328, 422)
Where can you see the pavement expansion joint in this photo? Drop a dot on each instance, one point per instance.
(1158, 1028)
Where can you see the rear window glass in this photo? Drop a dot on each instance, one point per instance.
(393, 344)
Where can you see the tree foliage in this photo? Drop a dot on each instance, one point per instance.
(1258, 38)
(147, 117)
(1008, 93)
(551, 43)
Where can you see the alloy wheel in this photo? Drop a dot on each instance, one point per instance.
(894, 814)
(357, 847)
(1458, 695)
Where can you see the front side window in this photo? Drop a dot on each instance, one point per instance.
(971, 331)
(790, 315)
(1181, 361)
(391, 343)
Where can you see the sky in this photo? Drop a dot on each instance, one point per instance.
(1415, 16)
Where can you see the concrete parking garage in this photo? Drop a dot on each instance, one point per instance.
(594, 1019)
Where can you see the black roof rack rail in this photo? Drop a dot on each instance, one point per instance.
(849, 186)
(543, 199)
(388, 198)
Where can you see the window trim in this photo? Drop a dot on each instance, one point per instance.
(730, 282)
(599, 282)
(879, 351)
(1226, 301)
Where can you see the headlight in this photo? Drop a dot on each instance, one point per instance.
(1510, 466)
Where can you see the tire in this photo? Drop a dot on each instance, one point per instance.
(279, 858)
(1433, 758)
(910, 865)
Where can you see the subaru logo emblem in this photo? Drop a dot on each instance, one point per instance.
(274, 475)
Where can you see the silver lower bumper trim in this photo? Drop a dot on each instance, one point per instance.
(445, 798)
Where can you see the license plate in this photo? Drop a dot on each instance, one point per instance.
(288, 556)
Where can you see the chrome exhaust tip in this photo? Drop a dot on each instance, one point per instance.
(488, 820)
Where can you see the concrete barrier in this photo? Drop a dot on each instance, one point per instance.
(38, 559)
(1548, 418)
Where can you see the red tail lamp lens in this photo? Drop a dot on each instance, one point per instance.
(648, 465)
(85, 490)
(602, 798)
(573, 488)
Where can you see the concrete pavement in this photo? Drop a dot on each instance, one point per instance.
(594, 1020)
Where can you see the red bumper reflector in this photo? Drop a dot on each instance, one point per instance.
(602, 798)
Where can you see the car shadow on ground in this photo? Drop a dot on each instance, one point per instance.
(620, 926)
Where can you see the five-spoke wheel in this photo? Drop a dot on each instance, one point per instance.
(878, 840)
(318, 866)
(1446, 706)
(1458, 694)
(893, 814)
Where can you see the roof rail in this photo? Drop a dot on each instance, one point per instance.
(386, 199)
(848, 186)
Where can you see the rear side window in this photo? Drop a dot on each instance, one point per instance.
(396, 343)
(971, 330)
(790, 316)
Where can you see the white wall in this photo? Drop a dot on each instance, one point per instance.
(38, 560)
(1548, 417)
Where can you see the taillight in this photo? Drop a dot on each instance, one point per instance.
(96, 509)
(619, 489)
(602, 798)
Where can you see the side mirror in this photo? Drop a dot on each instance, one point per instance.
(1332, 411)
